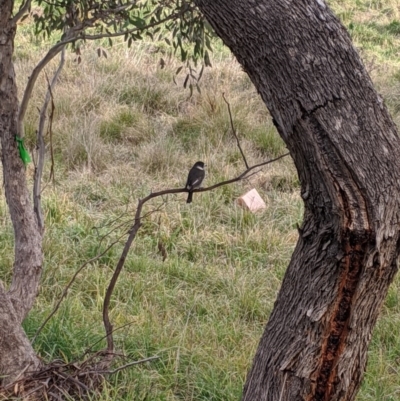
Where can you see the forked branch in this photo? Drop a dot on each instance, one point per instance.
(135, 228)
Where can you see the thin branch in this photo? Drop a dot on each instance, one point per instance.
(234, 131)
(21, 12)
(111, 372)
(37, 207)
(64, 294)
(50, 132)
(132, 234)
(135, 228)
(35, 73)
(241, 176)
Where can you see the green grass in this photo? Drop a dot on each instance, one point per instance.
(373, 26)
(121, 130)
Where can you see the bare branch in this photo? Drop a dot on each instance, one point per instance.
(234, 131)
(35, 73)
(22, 11)
(132, 234)
(37, 207)
(135, 228)
(241, 176)
(50, 132)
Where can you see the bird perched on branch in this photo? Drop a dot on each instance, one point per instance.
(195, 178)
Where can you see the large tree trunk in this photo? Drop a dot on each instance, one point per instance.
(16, 353)
(347, 153)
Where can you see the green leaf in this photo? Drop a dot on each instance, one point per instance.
(201, 73)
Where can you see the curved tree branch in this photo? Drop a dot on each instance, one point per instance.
(135, 228)
(35, 73)
(41, 146)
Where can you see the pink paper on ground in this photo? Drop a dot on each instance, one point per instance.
(252, 201)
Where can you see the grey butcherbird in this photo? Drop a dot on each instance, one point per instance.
(195, 178)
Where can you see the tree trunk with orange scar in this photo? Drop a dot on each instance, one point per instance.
(347, 153)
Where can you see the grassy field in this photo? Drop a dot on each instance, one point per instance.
(122, 129)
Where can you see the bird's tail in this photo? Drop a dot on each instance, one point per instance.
(189, 198)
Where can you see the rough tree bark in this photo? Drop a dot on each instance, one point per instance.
(16, 353)
(347, 153)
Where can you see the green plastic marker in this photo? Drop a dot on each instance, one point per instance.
(23, 153)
